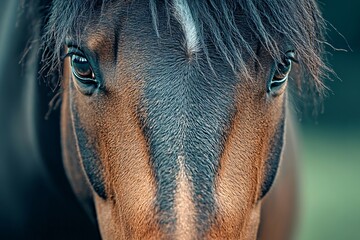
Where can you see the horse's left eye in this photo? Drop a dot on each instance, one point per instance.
(281, 73)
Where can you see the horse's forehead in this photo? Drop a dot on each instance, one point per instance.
(134, 27)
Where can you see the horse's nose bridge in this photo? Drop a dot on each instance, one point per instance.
(187, 114)
(185, 125)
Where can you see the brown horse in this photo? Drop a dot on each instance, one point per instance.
(174, 113)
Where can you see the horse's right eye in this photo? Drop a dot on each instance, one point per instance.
(83, 73)
(82, 70)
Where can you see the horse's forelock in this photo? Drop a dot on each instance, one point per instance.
(298, 23)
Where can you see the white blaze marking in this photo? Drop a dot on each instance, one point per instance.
(183, 15)
(184, 206)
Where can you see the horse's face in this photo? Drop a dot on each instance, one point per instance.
(171, 145)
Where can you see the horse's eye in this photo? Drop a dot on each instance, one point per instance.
(82, 70)
(281, 73)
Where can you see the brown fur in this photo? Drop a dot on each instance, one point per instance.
(242, 164)
(133, 208)
(126, 214)
(280, 206)
(73, 167)
(113, 128)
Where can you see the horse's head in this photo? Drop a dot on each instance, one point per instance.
(173, 113)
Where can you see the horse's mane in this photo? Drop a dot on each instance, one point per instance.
(298, 22)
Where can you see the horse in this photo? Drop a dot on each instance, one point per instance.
(174, 119)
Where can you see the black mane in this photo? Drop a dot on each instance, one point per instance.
(298, 22)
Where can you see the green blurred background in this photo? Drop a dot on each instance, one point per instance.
(330, 142)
